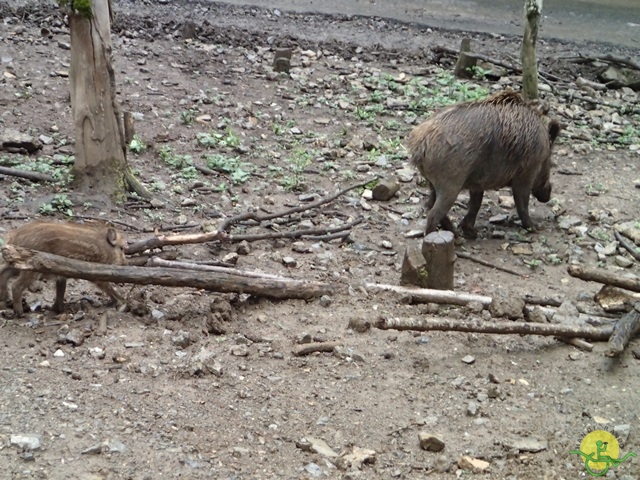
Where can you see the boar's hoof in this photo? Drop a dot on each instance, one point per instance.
(469, 231)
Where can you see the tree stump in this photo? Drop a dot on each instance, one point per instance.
(282, 60)
(414, 270)
(465, 61)
(438, 249)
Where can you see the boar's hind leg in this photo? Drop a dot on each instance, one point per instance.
(444, 200)
(468, 222)
(61, 287)
(112, 292)
(521, 196)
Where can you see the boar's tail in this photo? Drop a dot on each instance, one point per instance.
(554, 130)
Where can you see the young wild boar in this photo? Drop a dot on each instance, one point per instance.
(91, 242)
(483, 145)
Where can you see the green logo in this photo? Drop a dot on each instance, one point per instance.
(600, 450)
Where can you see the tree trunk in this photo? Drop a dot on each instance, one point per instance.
(101, 165)
(532, 12)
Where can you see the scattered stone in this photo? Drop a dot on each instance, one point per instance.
(156, 203)
(240, 350)
(231, 258)
(307, 197)
(469, 359)
(46, 140)
(356, 458)
(300, 247)
(472, 409)
(430, 442)
(509, 307)
(567, 221)
(536, 315)
(386, 244)
(474, 464)
(289, 262)
(94, 449)
(325, 301)
(75, 337)
(527, 444)
(623, 262)
(475, 307)
(317, 445)
(186, 202)
(622, 432)
(522, 249)
(58, 353)
(443, 464)
(205, 363)
(567, 313)
(26, 441)
(243, 248)
(182, 339)
(506, 201)
(17, 142)
(414, 234)
(385, 189)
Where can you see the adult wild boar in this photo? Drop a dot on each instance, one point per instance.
(483, 145)
(98, 242)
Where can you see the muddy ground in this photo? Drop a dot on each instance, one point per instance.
(198, 385)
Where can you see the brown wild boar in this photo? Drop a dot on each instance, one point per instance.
(483, 145)
(97, 242)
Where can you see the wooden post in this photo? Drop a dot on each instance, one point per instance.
(465, 61)
(438, 249)
(532, 12)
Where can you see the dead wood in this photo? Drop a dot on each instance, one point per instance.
(142, 260)
(425, 295)
(608, 58)
(521, 328)
(224, 226)
(623, 330)
(160, 262)
(308, 348)
(162, 241)
(592, 275)
(33, 176)
(468, 256)
(438, 250)
(327, 238)
(109, 220)
(295, 233)
(24, 259)
(627, 245)
(578, 343)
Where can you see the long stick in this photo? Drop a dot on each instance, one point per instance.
(24, 259)
(468, 256)
(558, 330)
(164, 240)
(161, 262)
(33, 176)
(431, 295)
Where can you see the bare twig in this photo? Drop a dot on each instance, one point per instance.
(224, 226)
(615, 59)
(592, 275)
(468, 256)
(429, 295)
(578, 343)
(163, 241)
(295, 233)
(160, 262)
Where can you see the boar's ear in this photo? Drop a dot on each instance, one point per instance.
(112, 236)
(554, 129)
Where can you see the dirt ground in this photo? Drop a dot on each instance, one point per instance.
(194, 384)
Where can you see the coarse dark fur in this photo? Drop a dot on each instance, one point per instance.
(96, 242)
(483, 145)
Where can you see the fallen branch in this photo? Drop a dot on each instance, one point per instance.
(142, 260)
(160, 262)
(578, 343)
(33, 176)
(521, 328)
(24, 259)
(623, 330)
(436, 296)
(224, 226)
(308, 348)
(313, 232)
(468, 256)
(627, 245)
(592, 275)
(615, 59)
(160, 241)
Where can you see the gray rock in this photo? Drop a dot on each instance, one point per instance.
(182, 339)
(15, 141)
(319, 446)
(205, 363)
(509, 307)
(26, 441)
(443, 464)
(325, 301)
(623, 262)
(567, 221)
(622, 432)
(468, 359)
(289, 262)
(75, 337)
(527, 444)
(240, 350)
(243, 248)
(472, 409)
(430, 442)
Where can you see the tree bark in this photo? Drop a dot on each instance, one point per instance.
(24, 259)
(532, 12)
(101, 165)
